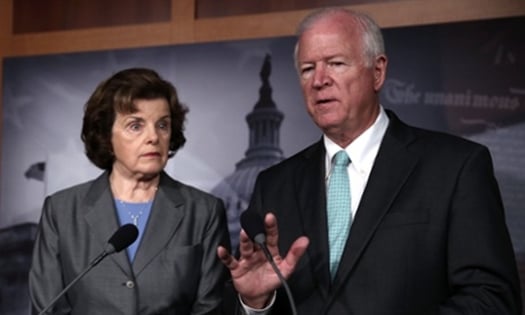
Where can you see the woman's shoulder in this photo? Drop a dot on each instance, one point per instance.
(71, 190)
(79, 190)
(174, 186)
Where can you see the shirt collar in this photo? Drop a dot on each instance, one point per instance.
(363, 150)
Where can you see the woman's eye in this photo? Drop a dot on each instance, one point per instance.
(135, 126)
(164, 125)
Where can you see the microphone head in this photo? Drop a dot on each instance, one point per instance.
(253, 224)
(123, 237)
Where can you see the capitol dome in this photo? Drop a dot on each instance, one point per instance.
(263, 122)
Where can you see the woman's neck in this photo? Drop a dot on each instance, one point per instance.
(132, 189)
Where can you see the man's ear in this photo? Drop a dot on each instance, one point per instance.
(380, 71)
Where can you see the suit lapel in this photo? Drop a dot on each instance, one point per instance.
(392, 167)
(312, 211)
(165, 217)
(99, 201)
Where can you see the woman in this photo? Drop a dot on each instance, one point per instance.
(133, 123)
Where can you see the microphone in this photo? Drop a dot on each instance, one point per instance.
(122, 238)
(253, 225)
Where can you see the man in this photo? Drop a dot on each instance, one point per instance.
(425, 222)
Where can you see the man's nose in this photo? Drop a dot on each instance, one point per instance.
(321, 77)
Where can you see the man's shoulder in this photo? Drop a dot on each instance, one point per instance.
(310, 154)
(425, 137)
(440, 140)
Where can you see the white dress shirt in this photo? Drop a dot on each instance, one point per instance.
(362, 152)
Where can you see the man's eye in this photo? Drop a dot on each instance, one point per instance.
(337, 66)
(306, 69)
(306, 72)
(336, 63)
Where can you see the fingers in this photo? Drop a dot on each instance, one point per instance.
(246, 246)
(293, 256)
(272, 230)
(228, 260)
(297, 250)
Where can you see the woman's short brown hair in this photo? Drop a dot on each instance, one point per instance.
(117, 94)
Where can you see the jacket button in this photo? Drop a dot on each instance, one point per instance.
(130, 284)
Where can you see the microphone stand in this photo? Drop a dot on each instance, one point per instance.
(121, 239)
(77, 278)
(280, 276)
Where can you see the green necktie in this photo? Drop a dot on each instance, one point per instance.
(338, 207)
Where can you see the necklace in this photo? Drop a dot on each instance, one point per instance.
(135, 217)
(135, 210)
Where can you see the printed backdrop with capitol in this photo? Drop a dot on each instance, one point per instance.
(463, 78)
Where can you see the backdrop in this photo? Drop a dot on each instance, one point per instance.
(463, 78)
